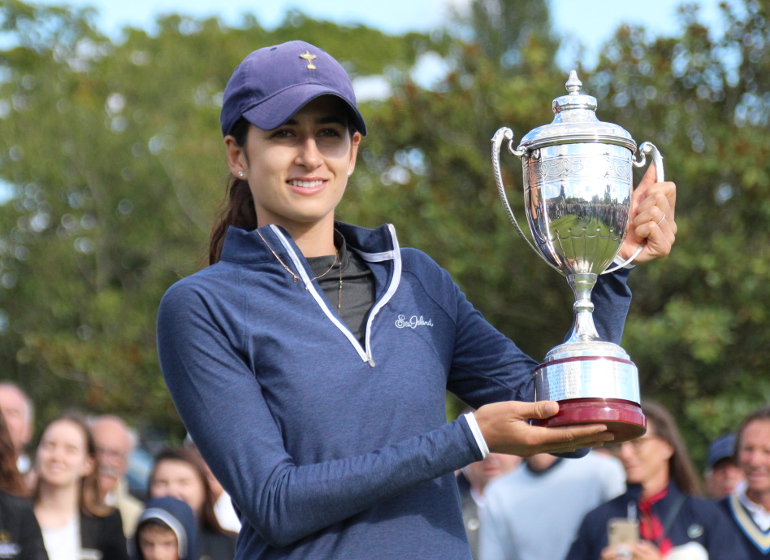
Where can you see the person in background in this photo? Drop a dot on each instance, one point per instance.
(535, 511)
(20, 536)
(223, 505)
(749, 505)
(179, 473)
(166, 531)
(660, 503)
(19, 413)
(471, 482)
(75, 522)
(115, 442)
(722, 471)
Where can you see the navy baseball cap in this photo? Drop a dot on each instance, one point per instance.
(722, 447)
(273, 83)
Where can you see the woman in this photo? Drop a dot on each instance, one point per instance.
(180, 474)
(75, 523)
(661, 501)
(310, 362)
(749, 506)
(20, 536)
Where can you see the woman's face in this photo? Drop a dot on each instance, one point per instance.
(297, 173)
(181, 480)
(754, 455)
(62, 456)
(646, 458)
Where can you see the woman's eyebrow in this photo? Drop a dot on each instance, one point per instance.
(330, 119)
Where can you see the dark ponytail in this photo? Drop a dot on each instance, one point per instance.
(238, 206)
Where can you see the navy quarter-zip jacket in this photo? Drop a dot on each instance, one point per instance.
(330, 448)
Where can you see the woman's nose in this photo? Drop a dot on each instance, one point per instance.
(308, 156)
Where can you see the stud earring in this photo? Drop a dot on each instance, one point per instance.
(240, 174)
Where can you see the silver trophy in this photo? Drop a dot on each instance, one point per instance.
(577, 195)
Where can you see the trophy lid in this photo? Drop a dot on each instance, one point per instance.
(576, 122)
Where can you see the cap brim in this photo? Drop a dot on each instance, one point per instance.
(278, 109)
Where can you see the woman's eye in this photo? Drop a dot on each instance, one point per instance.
(330, 133)
(282, 134)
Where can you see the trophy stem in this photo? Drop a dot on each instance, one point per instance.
(584, 329)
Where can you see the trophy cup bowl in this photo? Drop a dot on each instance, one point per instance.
(577, 195)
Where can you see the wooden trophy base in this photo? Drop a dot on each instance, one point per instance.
(623, 418)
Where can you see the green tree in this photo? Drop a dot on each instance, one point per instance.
(697, 323)
(113, 157)
(698, 327)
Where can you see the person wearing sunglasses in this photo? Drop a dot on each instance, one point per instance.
(661, 513)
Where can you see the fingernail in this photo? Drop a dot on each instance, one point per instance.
(551, 408)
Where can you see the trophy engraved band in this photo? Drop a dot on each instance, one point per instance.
(577, 195)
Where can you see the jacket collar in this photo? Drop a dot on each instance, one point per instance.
(244, 245)
(634, 493)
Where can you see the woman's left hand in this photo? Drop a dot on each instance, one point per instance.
(651, 219)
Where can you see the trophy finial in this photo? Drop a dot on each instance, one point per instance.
(573, 84)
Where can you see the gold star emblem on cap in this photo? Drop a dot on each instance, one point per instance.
(310, 58)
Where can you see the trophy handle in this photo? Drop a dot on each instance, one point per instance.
(500, 136)
(641, 161)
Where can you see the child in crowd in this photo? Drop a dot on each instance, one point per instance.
(166, 531)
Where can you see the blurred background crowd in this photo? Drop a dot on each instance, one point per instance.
(87, 483)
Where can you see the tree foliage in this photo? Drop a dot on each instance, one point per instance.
(113, 157)
(111, 152)
(699, 318)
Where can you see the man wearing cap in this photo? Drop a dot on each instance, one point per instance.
(722, 471)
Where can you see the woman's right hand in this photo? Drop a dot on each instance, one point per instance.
(643, 550)
(506, 430)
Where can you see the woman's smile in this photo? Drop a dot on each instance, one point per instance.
(307, 185)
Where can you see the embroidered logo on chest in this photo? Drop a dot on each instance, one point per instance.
(413, 322)
(694, 531)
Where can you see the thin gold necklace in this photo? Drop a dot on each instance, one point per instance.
(295, 277)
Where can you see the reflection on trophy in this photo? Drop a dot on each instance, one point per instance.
(577, 195)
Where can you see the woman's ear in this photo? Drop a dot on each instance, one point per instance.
(669, 449)
(236, 157)
(355, 142)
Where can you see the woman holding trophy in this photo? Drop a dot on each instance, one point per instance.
(310, 360)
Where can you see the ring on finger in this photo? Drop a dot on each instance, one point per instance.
(663, 218)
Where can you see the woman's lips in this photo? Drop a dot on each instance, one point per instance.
(307, 186)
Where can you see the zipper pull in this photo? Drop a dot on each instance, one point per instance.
(371, 361)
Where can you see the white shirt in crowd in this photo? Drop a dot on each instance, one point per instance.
(63, 543)
(760, 515)
(225, 512)
(523, 520)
